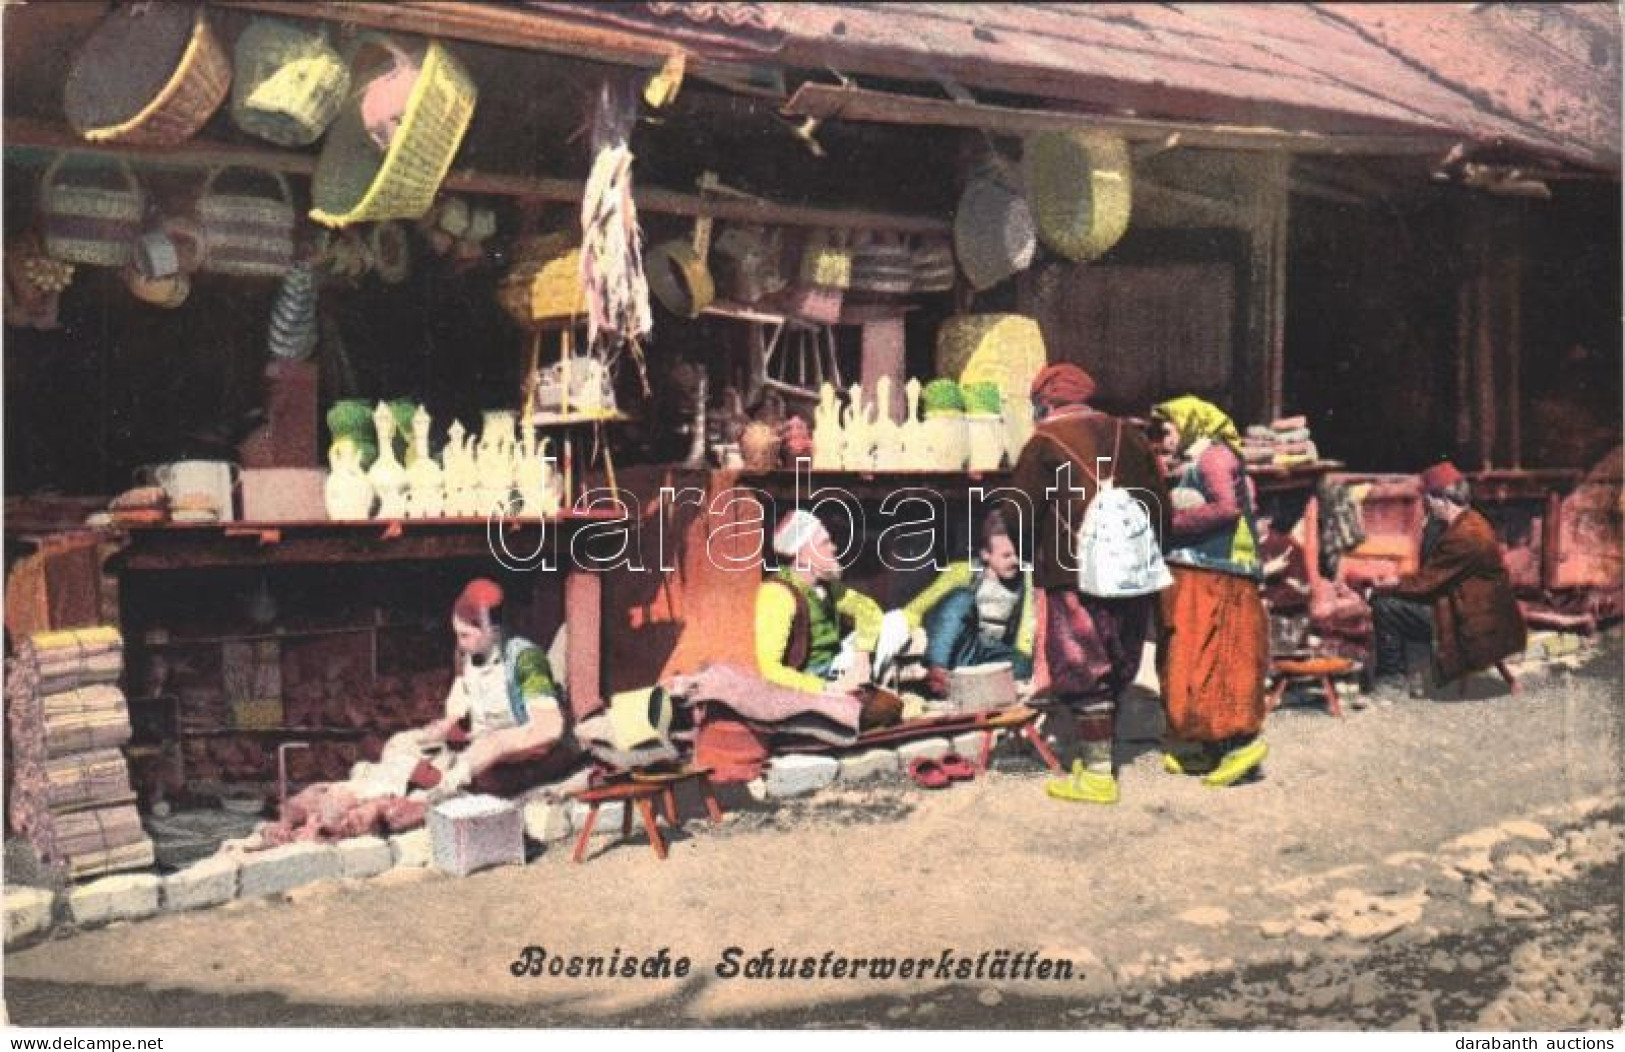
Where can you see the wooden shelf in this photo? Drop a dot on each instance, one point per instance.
(274, 635)
(23, 133)
(194, 546)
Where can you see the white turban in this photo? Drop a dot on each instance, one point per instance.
(795, 530)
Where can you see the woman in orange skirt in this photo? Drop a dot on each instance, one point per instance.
(1216, 651)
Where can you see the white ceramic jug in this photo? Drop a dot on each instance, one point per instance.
(215, 479)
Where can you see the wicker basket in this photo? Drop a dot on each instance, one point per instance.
(1006, 349)
(882, 263)
(1078, 185)
(355, 184)
(248, 235)
(826, 261)
(748, 262)
(151, 75)
(679, 278)
(545, 282)
(994, 236)
(289, 82)
(91, 224)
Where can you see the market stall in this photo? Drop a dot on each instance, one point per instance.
(373, 301)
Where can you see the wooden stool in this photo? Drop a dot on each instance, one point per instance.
(641, 792)
(1323, 671)
(1024, 720)
(668, 782)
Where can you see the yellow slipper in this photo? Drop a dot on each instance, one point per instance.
(1084, 786)
(1186, 762)
(1237, 763)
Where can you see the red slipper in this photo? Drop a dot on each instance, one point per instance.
(928, 773)
(957, 767)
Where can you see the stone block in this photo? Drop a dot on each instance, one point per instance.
(871, 763)
(411, 849)
(790, 776)
(928, 748)
(128, 896)
(281, 868)
(28, 912)
(608, 821)
(211, 882)
(364, 856)
(547, 822)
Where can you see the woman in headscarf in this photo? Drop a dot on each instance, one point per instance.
(1216, 654)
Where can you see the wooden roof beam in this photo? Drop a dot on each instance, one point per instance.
(833, 102)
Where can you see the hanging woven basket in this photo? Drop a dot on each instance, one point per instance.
(86, 223)
(248, 235)
(1079, 188)
(355, 183)
(150, 75)
(679, 278)
(1005, 349)
(748, 262)
(289, 83)
(994, 236)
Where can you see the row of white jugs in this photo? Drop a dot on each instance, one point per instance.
(860, 436)
(492, 475)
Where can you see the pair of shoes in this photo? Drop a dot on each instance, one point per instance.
(939, 774)
(1237, 763)
(1187, 762)
(1083, 786)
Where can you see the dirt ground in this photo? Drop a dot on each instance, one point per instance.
(1438, 864)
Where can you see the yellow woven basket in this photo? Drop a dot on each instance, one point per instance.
(1079, 187)
(1006, 349)
(355, 184)
(109, 93)
(545, 283)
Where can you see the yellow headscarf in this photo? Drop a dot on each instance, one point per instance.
(1198, 419)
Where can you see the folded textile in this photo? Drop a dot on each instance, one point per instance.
(1297, 434)
(1289, 423)
(759, 701)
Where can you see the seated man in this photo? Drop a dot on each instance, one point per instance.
(800, 611)
(978, 612)
(503, 706)
(1461, 599)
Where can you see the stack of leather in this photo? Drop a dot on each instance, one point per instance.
(71, 794)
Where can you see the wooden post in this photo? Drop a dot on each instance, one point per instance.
(584, 613)
(883, 355)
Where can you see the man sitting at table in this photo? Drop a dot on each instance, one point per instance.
(977, 612)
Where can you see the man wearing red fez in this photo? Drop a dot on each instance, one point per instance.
(1092, 645)
(504, 706)
(1460, 602)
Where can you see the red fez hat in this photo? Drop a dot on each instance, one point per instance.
(1062, 384)
(1441, 476)
(480, 596)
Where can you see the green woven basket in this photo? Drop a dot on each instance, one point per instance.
(1079, 188)
(942, 395)
(983, 397)
(288, 83)
(355, 184)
